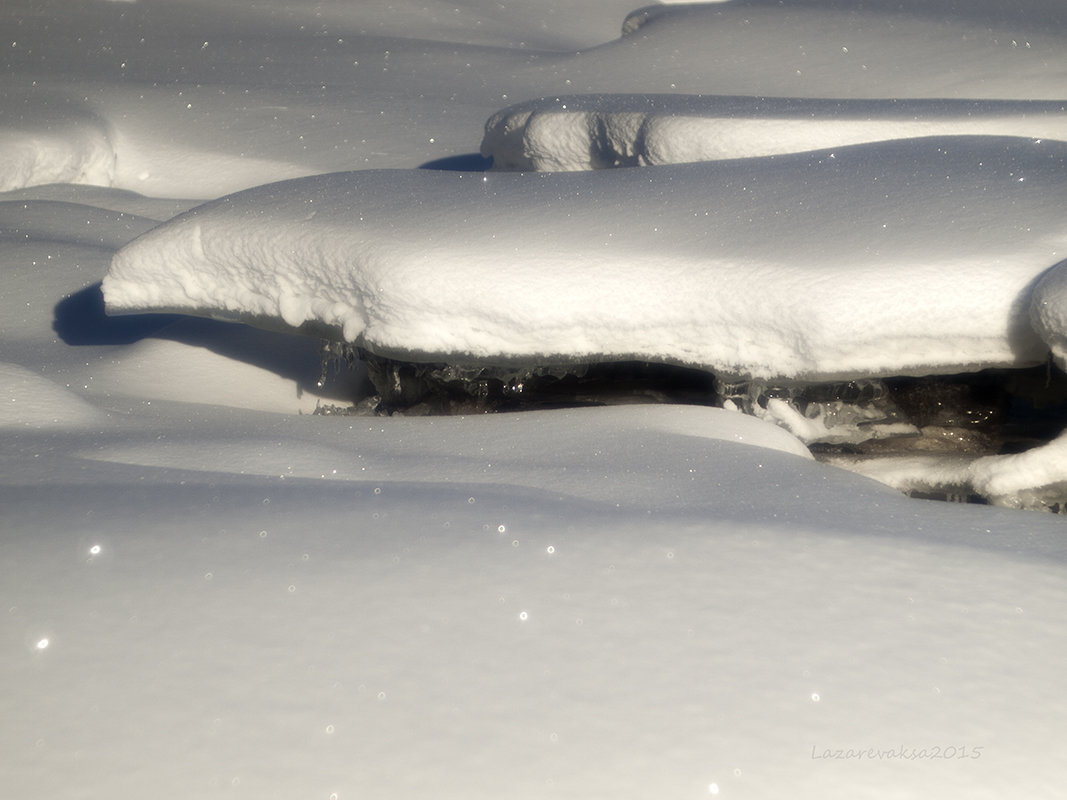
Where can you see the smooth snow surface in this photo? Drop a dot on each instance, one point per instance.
(197, 99)
(206, 593)
(579, 132)
(741, 267)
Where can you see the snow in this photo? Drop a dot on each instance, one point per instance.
(841, 49)
(207, 593)
(1020, 480)
(32, 401)
(201, 108)
(65, 147)
(592, 132)
(1048, 311)
(527, 267)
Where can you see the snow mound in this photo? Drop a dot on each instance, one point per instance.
(71, 223)
(908, 257)
(1048, 311)
(158, 368)
(1025, 480)
(1035, 479)
(437, 451)
(581, 132)
(842, 48)
(176, 371)
(28, 400)
(51, 146)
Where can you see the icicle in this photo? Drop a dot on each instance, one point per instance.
(331, 356)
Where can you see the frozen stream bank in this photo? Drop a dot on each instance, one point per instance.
(916, 257)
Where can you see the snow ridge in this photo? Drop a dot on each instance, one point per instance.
(578, 132)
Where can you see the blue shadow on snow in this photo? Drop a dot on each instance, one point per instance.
(467, 162)
(80, 320)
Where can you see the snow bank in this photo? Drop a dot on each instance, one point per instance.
(1048, 311)
(441, 450)
(843, 49)
(186, 373)
(45, 145)
(29, 400)
(1023, 479)
(71, 223)
(914, 256)
(579, 132)
(1034, 479)
(283, 90)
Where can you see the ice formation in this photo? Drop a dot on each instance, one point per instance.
(578, 132)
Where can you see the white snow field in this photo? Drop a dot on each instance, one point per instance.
(207, 591)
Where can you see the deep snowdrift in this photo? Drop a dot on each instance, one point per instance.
(916, 256)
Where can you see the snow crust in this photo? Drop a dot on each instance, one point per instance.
(913, 257)
(580, 132)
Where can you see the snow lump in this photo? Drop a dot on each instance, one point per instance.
(578, 132)
(910, 257)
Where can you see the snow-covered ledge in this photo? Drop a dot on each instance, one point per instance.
(908, 257)
(581, 132)
(905, 258)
